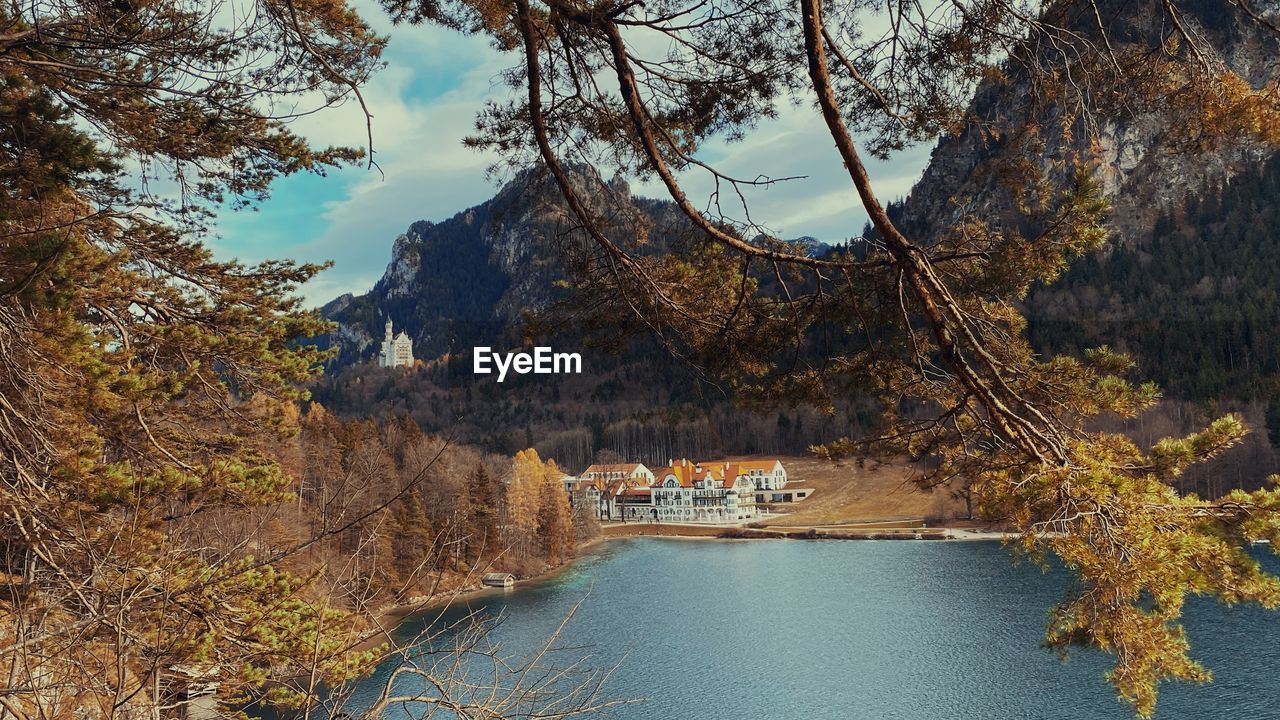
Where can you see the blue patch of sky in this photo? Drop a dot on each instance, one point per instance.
(292, 215)
(295, 211)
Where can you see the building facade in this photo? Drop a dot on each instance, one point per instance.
(396, 351)
(619, 471)
(601, 485)
(604, 497)
(683, 491)
(686, 491)
(760, 474)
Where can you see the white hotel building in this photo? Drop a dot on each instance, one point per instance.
(684, 491)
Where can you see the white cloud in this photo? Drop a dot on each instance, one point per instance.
(425, 102)
(422, 105)
(821, 204)
(426, 173)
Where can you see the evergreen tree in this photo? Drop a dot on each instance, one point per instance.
(144, 383)
(413, 545)
(482, 526)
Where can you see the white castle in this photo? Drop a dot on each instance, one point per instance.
(396, 351)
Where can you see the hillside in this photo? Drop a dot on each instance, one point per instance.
(1194, 297)
(862, 493)
(487, 277)
(459, 282)
(1186, 284)
(1148, 158)
(1187, 281)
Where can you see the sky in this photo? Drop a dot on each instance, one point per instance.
(425, 102)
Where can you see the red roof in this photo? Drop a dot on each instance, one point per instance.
(687, 473)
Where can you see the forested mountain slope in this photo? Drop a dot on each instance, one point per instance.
(478, 279)
(1196, 298)
(1187, 284)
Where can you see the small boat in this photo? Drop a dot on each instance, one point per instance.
(497, 579)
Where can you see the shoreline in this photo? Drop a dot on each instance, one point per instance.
(851, 531)
(670, 531)
(388, 619)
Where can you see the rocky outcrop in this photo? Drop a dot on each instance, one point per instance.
(1143, 161)
(1186, 283)
(471, 279)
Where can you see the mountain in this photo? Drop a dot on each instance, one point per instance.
(1194, 297)
(1188, 282)
(476, 278)
(1149, 158)
(1187, 285)
(459, 282)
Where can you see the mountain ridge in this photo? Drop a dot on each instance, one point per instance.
(476, 277)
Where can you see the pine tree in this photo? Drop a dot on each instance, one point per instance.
(482, 527)
(145, 383)
(413, 546)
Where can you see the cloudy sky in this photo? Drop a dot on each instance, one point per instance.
(423, 105)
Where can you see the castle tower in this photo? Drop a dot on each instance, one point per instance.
(397, 350)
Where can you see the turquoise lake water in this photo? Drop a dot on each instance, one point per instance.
(817, 630)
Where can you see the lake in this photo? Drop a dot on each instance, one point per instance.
(811, 630)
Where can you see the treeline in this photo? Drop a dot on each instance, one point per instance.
(654, 439)
(645, 407)
(1197, 301)
(401, 513)
(1247, 465)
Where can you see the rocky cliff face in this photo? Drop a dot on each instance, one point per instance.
(1185, 284)
(471, 279)
(1143, 160)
